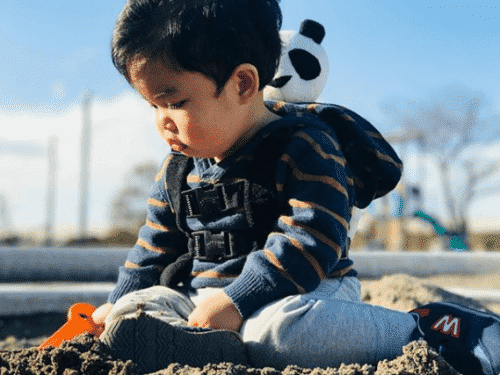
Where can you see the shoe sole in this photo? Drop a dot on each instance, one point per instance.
(153, 344)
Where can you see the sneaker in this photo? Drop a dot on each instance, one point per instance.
(153, 344)
(468, 339)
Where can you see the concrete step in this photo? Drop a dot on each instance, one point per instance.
(480, 294)
(85, 264)
(375, 264)
(30, 298)
(101, 264)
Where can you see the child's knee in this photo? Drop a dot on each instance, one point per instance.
(157, 301)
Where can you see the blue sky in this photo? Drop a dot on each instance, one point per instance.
(53, 51)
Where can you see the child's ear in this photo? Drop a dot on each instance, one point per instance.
(246, 78)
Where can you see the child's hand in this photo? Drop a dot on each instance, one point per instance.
(217, 312)
(100, 314)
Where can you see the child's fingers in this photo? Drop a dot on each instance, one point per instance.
(100, 314)
(198, 319)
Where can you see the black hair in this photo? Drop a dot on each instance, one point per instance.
(212, 37)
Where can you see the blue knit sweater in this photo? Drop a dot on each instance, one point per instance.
(321, 175)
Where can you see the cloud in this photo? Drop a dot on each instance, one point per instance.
(123, 135)
(28, 149)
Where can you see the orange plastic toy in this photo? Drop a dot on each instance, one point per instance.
(79, 321)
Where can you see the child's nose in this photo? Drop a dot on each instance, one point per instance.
(170, 126)
(165, 122)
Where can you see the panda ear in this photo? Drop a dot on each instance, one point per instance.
(313, 30)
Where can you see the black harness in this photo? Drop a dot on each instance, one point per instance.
(256, 195)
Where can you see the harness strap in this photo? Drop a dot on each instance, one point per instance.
(177, 271)
(345, 252)
(177, 171)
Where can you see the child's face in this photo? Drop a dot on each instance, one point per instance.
(188, 114)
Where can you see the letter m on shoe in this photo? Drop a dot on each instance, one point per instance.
(448, 325)
(468, 339)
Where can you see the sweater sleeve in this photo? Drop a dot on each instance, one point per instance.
(159, 243)
(310, 236)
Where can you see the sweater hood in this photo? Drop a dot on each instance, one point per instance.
(374, 165)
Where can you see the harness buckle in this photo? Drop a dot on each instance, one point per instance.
(206, 201)
(208, 246)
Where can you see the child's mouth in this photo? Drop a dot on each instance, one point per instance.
(176, 145)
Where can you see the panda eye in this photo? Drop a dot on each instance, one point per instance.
(280, 81)
(305, 64)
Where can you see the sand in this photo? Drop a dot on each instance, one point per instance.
(86, 355)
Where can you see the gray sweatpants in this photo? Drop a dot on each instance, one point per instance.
(323, 328)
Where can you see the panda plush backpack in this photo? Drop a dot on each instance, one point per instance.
(299, 80)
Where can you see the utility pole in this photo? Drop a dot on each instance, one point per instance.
(5, 221)
(51, 191)
(85, 165)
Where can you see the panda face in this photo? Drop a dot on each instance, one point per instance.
(305, 64)
(302, 72)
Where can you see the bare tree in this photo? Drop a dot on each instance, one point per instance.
(128, 208)
(453, 125)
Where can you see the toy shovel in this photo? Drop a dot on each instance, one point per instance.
(79, 321)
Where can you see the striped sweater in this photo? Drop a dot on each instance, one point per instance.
(321, 175)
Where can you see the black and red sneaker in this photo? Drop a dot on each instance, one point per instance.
(468, 339)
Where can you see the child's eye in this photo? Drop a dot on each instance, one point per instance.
(176, 105)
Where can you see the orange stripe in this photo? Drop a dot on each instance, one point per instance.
(317, 148)
(334, 142)
(278, 105)
(193, 179)
(144, 244)
(374, 135)
(163, 167)
(387, 158)
(275, 262)
(160, 227)
(298, 245)
(312, 107)
(210, 274)
(131, 265)
(301, 176)
(314, 206)
(346, 118)
(340, 273)
(320, 236)
(157, 203)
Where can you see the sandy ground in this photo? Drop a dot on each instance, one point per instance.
(86, 355)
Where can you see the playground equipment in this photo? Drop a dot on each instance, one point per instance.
(455, 243)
